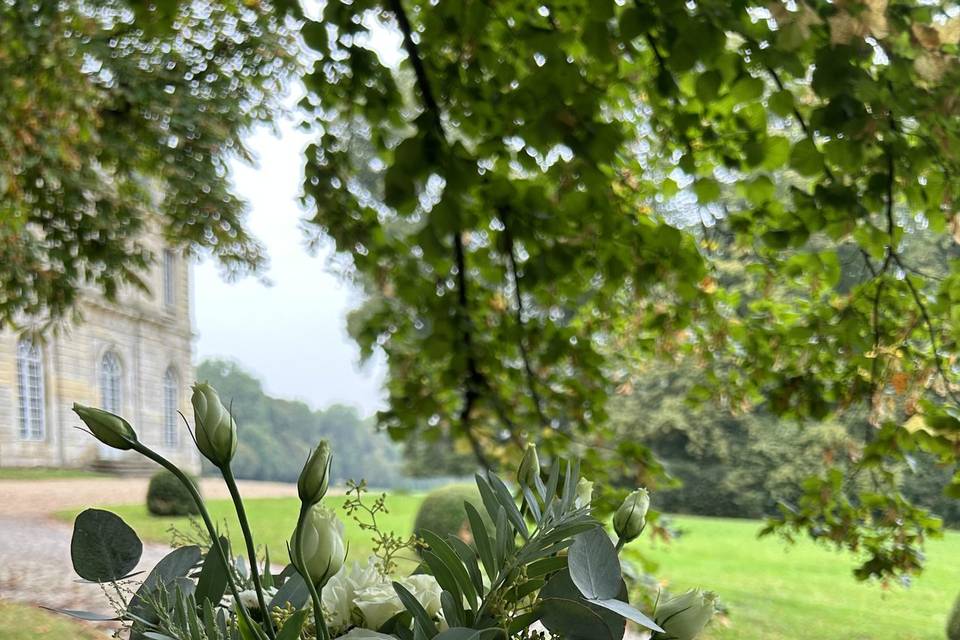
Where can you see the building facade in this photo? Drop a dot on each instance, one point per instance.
(133, 357)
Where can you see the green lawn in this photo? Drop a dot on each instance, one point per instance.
(272, 520)
(23, 622)
(773, 591)
(780, 592)
(36, 473)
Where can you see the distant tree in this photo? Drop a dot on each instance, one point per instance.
(118, 117)
(275, 434)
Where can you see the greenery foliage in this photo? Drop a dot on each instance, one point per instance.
(953, 622)
(117, 120)
(167, 497)
(545, 559)
(443, 513)
(538, 200)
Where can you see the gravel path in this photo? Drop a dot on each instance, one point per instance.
(35, 563)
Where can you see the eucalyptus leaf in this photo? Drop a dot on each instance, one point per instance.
(103, 548)
(594, 565)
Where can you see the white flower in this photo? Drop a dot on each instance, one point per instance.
(340, 592)
(249, 599)
(358, 633)
(426, 590)
(377, 604)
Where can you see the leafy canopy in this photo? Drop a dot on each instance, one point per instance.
(116, 120)
(536, 196)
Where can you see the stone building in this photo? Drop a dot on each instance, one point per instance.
(132, 357)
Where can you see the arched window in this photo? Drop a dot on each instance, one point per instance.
(171, 392)
(30, 387)
(111, 386)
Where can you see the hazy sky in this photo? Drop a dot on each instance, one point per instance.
(292, 333)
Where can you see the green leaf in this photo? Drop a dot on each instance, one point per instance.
(293, 625)
(629, 612)
(293, 592)
(103, 547)
(708, 85)
(510, 506)
(212, 582)
(781, 103)
(482, 540)
(805, 158)
(594, 566)
(411, 604)
(164, 576)
(451, 560)
(89, 616)
(573, 619)
(707, 190)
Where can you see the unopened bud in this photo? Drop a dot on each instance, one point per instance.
(684, 617)
(315, 476)
(321, 546)
(529, 469)
(110, 429)
(216, 428)
(631, 517)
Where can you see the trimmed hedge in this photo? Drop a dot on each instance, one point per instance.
(953, 622)
(167, 497)
(442, 511)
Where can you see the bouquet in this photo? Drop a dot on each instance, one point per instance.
(536, 563)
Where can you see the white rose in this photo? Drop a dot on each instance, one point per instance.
(377, 604)
(358, 633)
(426, 590)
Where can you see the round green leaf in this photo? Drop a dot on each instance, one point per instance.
(103, 548)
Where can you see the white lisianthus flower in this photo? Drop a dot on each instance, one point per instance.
(377, 604)
(426, 590)
(358, 633)
(249, 599)
(340, 592)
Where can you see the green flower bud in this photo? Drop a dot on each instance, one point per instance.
(631, 517)
(110, 429)
(529, 469)
(584, 492)
(684, 616)
(216, 428)
(321, 545)
(315, 476)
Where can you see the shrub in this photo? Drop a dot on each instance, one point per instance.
(167, 497)
(442, 511)
(953, 622)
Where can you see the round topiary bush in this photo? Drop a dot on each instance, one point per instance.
(442, 511)
(953, 622)
(167, 497)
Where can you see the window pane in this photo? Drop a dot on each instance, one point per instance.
(170, 408)
(31, 391)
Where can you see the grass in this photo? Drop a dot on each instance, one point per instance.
(773, 591)
(23, 622)
(36, 473)
(779, 592)
(273, 519)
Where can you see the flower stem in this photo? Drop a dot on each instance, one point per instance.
(319, 623)
(231, 482)
(211, 529)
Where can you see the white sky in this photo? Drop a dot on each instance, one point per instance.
(292, 333)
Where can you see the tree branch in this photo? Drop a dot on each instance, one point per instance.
(475, 380)
(531, 376)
